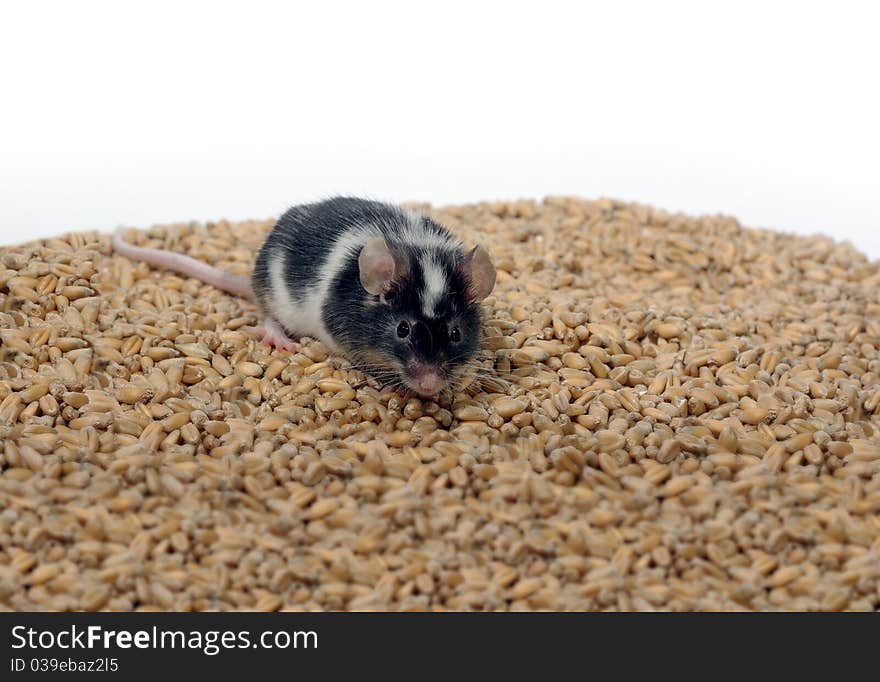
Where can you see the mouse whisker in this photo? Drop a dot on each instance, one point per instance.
(484, 378)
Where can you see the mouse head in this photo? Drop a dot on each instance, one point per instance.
(426, 309)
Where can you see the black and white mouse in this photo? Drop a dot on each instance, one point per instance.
(390, 288)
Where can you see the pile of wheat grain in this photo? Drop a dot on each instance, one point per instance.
(673, 413)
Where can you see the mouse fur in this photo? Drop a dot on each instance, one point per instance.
(308, 278)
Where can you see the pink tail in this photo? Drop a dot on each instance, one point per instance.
(234, 284)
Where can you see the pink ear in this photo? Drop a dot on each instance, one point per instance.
(377, 266)
(480, 272)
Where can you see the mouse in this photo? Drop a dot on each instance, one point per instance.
(388, 287)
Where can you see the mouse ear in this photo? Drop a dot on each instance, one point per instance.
(378, 266)
(480, 272)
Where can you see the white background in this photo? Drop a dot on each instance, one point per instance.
(136, 113)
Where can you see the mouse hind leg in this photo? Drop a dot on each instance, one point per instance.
(273, 334)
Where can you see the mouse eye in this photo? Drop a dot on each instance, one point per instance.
(403, 330)
(455, 335)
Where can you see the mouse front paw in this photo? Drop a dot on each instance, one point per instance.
(272, 334)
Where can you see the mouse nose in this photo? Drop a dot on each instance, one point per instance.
(430, 383)
(421, 339)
